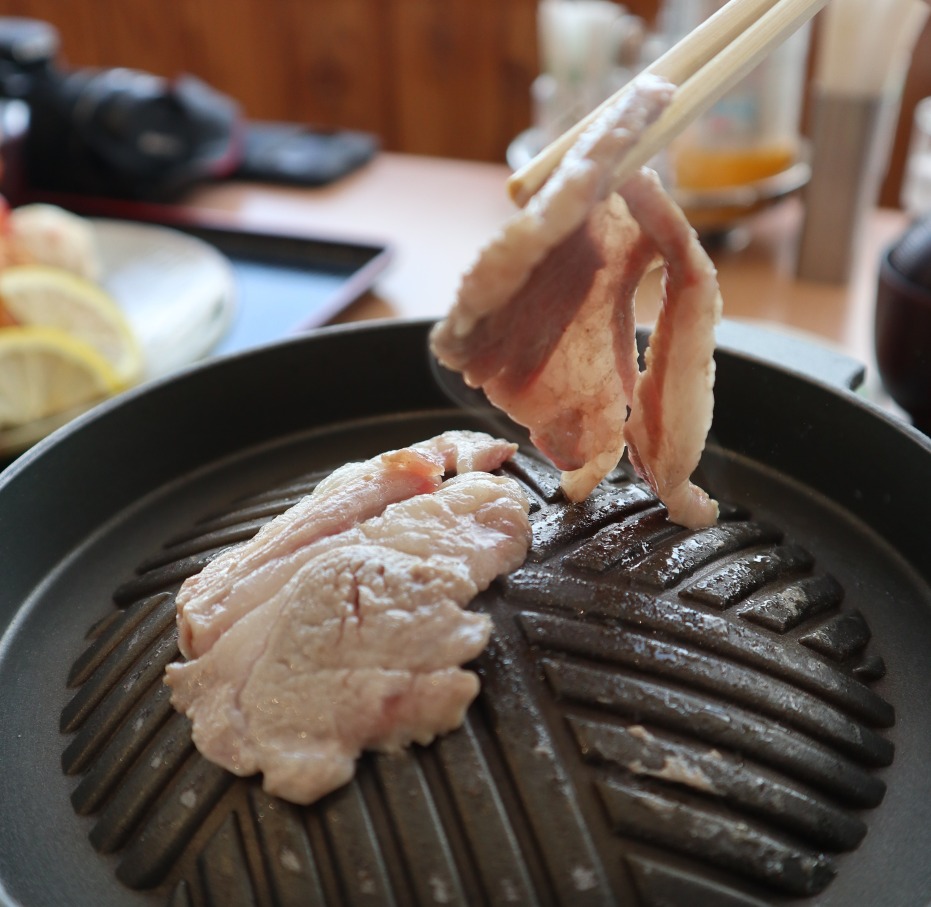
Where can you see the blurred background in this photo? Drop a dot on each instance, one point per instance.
(450, 78)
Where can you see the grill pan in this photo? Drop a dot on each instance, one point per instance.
(738, 716)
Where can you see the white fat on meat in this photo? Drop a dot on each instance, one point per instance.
(544, 321)
(243, 577)
(673, 401)
(361, 648)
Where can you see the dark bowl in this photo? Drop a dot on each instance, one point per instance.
(903, 324)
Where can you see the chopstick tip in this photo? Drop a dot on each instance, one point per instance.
(516, 187)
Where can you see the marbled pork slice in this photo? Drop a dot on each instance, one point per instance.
(243, 577)
(362, 647)
(545, 320)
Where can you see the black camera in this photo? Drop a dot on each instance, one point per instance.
(111, 132)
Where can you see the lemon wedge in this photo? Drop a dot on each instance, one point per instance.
(45, 371)
(44, 296)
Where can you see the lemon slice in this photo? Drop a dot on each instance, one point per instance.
(44, 371)
(45, 296)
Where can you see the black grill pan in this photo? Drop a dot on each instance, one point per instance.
(736, 716)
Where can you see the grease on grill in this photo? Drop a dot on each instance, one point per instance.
(665, 716)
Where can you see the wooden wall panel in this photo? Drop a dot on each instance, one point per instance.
(454, 72)
(231, 46)
(140, 34)
(517, 67)
(336, 61)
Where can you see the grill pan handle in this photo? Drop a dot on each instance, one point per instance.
(807, 358)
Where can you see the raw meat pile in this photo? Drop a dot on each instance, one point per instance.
(341, 625)
(545, 324)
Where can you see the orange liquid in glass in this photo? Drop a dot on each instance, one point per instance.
(706, 168)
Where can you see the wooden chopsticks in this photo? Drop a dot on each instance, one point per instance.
(703, 65)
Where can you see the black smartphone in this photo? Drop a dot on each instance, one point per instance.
(301, 155)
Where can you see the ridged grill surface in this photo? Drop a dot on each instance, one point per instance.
(666, 716)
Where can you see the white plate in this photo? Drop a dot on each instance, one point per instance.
(178, 294)
(177, 291)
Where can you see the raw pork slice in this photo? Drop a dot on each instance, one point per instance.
(362, 647)
(674, 398)
(544, 321)
(245, 576)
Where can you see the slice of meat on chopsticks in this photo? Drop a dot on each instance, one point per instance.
(243, 577)
(545, 324)
(361, 648)
(674, 397)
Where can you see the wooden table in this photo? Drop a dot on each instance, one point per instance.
(437, 213)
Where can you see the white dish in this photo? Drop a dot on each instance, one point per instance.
(177, 291)
(178, 294)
